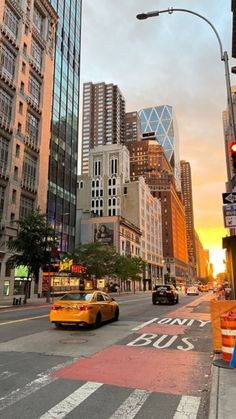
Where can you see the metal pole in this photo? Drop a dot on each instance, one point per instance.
(223, 57)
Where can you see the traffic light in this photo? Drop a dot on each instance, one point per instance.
(232, 149)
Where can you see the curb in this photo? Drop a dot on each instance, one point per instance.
(214, 393)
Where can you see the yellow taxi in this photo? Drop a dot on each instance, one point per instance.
(84, 308)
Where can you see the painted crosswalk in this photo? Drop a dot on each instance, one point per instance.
(128, 403)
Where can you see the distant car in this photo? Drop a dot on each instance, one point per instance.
(165, 294)
(84, 308)
(192, 291)
(203, 288)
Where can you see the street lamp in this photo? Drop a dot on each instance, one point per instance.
(223, 57)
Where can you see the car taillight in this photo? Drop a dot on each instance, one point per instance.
(168, 292)
(84, 308)
(55, 307)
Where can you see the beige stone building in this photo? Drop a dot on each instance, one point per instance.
(106, 192)
(27, 38)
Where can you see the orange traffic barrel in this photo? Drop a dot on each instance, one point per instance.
(228, 334)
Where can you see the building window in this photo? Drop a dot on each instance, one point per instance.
(17, 150)
(11, 21)
(114, 166)
(23, 67)
(26, 206)
(37, 53)
(32, 127)
(38, 20)
(20, 108)
(5, 106)
(7, 61)
(16, 170)
(22, 87)
(2, 193)
(29, 171)
(34, 89)
(97, 168)
(4, 147)
(25, 48)
(13, 199)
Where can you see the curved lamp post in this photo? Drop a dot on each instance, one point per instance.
(223, 57)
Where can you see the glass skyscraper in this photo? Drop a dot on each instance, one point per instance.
(161, 121)
(61, 202)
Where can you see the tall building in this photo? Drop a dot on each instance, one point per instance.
(103, 118)
(26, 79)
(186, 184)
(147, 159)
(132, 127)
(63, 160)
(228, 138)
(161, 121)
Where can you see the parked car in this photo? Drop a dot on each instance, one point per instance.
(84, 308)
(165, 294)
(193, 291)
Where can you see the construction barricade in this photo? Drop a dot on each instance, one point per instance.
(228, 334)
(217, 309)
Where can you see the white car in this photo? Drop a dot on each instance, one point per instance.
(193, 291)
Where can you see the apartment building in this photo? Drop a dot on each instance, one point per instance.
(27, 40)
(103, 118)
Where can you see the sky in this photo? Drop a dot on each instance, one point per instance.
(172, 59)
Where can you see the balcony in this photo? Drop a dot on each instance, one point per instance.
(5, 123)
(29, 184)
(9, 35)
(33, 103)
(36, 67)
(7, 78)
(32, 143)
(4, 173)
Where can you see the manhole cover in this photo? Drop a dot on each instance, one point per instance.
(73, 341)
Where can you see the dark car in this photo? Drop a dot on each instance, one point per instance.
(165, 294)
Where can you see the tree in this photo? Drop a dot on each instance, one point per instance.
(97, 259)
(129, 267)
(32, 246)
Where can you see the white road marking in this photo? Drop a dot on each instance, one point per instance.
(19, 394)
(24, 320)
(6, 374)
(130, 407)
(187, 408)
(63, 408)
(145, 324)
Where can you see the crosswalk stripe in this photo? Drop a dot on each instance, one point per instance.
(62, 409)
(187, 408)
(130, 407)
(29, 388)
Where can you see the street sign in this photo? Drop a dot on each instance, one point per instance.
(229, 197)
(229, 212)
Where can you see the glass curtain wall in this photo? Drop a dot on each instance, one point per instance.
(61, 204)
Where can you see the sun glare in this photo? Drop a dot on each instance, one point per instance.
(217, 257)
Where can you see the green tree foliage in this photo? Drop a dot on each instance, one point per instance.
(32, 246)
(98, 259)
(129, 267)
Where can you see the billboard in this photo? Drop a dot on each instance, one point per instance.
(104, 233)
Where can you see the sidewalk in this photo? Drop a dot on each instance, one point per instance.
(7, 302)
(223, 393)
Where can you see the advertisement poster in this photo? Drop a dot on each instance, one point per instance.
(103, 233)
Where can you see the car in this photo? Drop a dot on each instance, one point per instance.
(192, 291)
(84, 308)
(165, 294)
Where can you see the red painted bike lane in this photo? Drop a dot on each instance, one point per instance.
(168, 354)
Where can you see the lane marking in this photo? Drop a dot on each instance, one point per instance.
(24, 320)
(145, 324)
(43, 380)
(187, 408)
(130, 407)
(66, 406)
(6, 374)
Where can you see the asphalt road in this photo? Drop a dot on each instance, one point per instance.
(153, 363)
